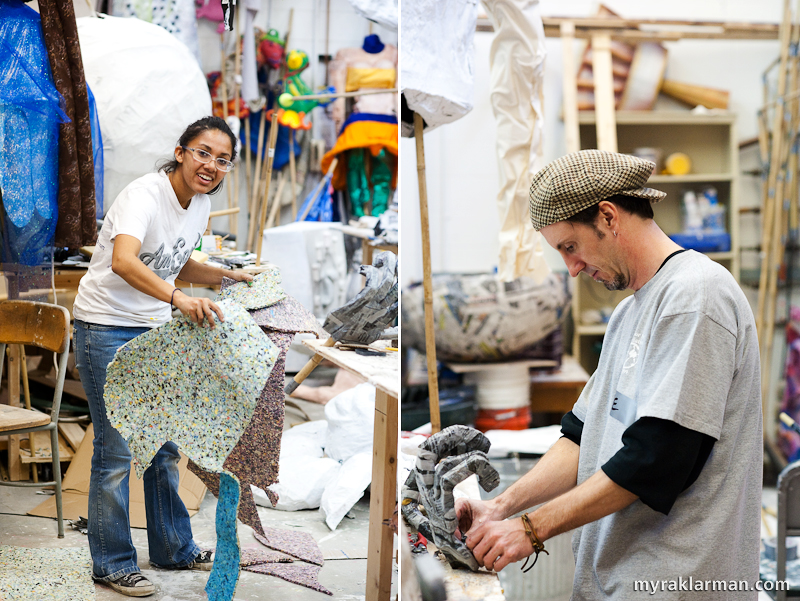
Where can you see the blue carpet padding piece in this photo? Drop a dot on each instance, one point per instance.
(224, 577)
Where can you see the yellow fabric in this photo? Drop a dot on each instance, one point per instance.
(358, 79)
(363, 134)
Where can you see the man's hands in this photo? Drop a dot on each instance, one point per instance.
(472, 513)
(494, 542)
(197, 309)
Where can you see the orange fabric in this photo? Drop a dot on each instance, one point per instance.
(374, 135)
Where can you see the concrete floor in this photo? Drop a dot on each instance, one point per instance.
(344, 550)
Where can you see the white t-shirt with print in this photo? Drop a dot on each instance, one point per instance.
(148, 210)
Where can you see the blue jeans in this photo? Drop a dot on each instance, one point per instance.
(169, 533)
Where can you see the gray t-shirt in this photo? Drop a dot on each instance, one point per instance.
(682, 348)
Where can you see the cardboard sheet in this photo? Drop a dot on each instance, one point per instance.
(75, 489)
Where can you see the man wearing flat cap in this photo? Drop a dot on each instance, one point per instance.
(659, 466)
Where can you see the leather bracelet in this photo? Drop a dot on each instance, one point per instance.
(171, 299)
(538, 546)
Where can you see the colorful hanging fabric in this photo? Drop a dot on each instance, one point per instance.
(368, 182)
(77, 209)
(363, 130)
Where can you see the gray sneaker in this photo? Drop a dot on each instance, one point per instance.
(132, 585)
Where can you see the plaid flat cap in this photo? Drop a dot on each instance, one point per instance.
(577, 181)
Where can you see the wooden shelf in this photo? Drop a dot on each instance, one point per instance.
(710, 141)
(662, 118)
(727, 256)
(691, 178)
(595, 329)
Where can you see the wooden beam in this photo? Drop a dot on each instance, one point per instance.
(383, 498)
(604, 93)
(427, 281)
(653, 30)
(571, 129)
(273, 137)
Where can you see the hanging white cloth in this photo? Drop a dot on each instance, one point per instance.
(436, 71)
(517, 60)
(383, 12)
(250, 91)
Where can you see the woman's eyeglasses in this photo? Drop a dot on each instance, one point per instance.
(202, 156)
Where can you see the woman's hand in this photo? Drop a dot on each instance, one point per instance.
(197, 309)
(240, 276)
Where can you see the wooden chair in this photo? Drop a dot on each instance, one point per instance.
(46, 326)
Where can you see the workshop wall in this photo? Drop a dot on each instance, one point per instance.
(462, 174)
(345, 29)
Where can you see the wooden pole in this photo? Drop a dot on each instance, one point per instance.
(293, 174)
(570, 88)
(276, 202)
(427, 281)
(604, 93)
(769, 201)
(273, 136)
(233, 220)
(780, 223)
(247, 171)
(223, 88)
(256, 181)
(771, 213)
(310, 366)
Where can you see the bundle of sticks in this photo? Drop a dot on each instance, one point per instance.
(778, 149)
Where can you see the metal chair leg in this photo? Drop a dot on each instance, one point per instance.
(57, 478)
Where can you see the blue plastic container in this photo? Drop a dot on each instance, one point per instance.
(706, 242)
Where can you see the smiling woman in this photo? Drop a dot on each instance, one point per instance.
(203, 155)
(145, 243)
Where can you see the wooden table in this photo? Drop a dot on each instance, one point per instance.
(384, 374)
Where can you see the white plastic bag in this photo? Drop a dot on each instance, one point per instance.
(436, 66)
(348, 487)
(302, 482)
(351, 418)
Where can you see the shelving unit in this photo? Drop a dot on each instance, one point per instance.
(711, 144)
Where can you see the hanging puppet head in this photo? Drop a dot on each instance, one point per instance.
(296, 61)
(270, 49)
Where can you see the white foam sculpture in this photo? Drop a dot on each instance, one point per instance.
(148, 88)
